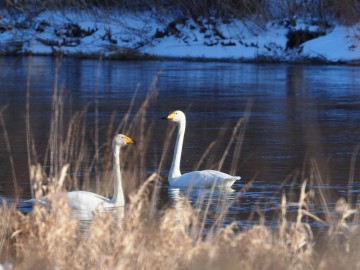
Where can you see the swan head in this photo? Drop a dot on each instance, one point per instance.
(176, 116)
(121, 140)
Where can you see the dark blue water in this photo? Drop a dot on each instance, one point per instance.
(300, 116)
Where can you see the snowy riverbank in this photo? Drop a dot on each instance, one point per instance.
(144, 35)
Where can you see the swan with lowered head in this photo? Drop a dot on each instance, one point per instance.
(205, 178)
(87, 202)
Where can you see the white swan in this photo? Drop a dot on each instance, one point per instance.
(84, 203)
(206, 178)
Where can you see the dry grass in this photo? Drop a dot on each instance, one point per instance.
(48, 238)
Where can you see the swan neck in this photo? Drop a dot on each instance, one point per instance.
(118, 197)
(175, 167)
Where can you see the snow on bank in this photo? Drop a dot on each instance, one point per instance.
(116, 35)
(341, 44)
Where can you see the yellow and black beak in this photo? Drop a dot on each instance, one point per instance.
(169, 117)
(128, 140)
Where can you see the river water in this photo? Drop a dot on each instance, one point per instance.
(298, 115)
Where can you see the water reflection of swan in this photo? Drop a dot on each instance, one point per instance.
(211, 202)
(83, 204)
(205, 178)
(179, 201)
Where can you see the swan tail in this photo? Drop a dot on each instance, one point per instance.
(230, 181)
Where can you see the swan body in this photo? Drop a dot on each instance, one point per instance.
(205, 178)
(79, 200)
(86, 203)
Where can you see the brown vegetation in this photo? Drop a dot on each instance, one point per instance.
(323, 10)
(48, 238)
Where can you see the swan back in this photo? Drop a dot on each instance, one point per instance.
(204, 179)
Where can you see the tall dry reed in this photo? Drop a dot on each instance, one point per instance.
(48, 238)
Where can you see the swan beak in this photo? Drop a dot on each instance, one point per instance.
(128, 140)
(169, 117)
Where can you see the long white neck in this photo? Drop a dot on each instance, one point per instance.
(118, 198)
(175, 166)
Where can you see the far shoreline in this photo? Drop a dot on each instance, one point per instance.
(148, 57)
